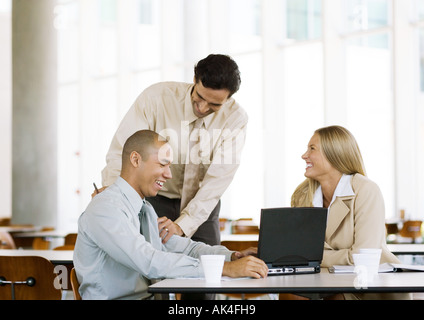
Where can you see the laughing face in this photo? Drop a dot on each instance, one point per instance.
(317, 165)
(154, 171)
(206, 100)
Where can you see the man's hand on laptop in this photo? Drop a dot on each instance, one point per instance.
(252, 251)
(248, 266)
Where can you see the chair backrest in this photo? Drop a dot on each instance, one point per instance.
(244, 226)
(65, 247)
(411, 229)
(70, 238)
(6, 241)
(392, 228)
(38, 276)
(75, 285)
(5, 222)
(222, 224)
(40, 243)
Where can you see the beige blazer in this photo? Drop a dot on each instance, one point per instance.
(356, 222)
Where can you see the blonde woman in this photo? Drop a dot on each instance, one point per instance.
(336, 179)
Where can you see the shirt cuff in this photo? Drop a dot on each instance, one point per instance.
(187, 225)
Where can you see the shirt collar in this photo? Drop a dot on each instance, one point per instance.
(343, 189)
(133, 197)
(188, 106)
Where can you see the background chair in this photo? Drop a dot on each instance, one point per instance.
(42, 243)
(244, 226)
(411, 229)
(75, 285)
(5, 222)
(65, 247)
(27, 278)
(222, 224)
(6, 241)
(70, 239)
(392, 228)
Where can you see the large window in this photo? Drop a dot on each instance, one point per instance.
(368, 58)
(418, 30)
(298, 74)
(304, 64)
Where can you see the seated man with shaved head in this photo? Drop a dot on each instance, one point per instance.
(119, 246)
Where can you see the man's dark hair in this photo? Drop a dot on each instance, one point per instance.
(218, 71)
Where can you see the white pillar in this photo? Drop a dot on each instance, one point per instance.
(34, 135)
(196, 34)
(6, 115)
(405, 106)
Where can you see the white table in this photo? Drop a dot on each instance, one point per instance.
(57, 257)
(405, 248)
(239, 237)
(18, 228)
(323, 282)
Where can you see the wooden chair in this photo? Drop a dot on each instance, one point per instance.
(411, 229)
(244, 226)
(65, 247)
(40, 243)
(6, 241)
(222, 223)
(75, 285)
(392, 228)
(5, 222)
(27, 278)
(71, 239)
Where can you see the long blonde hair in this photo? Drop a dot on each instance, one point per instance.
(341, 150)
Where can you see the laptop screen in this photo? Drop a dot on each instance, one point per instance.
(292, 236)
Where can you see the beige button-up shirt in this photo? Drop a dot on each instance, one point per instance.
(166, 108)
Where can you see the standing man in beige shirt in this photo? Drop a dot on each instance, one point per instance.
(211, 145)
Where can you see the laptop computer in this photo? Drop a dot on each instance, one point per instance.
(291, 240)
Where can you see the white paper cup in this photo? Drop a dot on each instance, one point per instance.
(367, 260)
(212, 267)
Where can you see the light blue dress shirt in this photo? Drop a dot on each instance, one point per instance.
(114, 261)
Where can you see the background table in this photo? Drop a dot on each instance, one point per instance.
(57, 257)
(406, 248)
